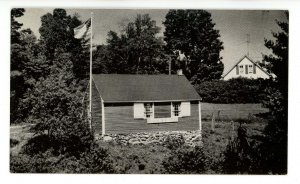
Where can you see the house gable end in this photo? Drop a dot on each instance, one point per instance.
(246, 59)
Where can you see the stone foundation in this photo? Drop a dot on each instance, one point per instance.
(191, 138)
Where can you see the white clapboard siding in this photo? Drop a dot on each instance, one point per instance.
(138, 111)
(185, 109)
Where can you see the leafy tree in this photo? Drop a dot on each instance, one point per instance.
(22, 42)
(137, 49)
(192, 33)
(278, 62)
(27, 66)
(17, 53)
(56, 104)
(101, 60)
(57, 37)
(274, 148)
(15, 25)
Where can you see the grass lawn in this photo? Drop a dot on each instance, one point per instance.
(229, 112)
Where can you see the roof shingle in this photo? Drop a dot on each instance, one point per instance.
(143, 88)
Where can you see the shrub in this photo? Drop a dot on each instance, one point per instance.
(173, 142)
(239, 155)
(239, 90)
(95, 160)
(20, 163)
(39, 163)
(185, 161)
(37, 144)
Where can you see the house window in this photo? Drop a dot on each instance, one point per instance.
(250, 68)
(241, 68)
(176, 109)
(162, 109)
(148, 110)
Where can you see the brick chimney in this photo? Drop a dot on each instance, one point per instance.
(179, 72)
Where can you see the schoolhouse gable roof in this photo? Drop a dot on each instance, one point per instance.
(144, 88)
(250, 61)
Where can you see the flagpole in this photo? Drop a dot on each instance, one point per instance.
(91, 64)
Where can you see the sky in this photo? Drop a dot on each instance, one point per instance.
(234, 25)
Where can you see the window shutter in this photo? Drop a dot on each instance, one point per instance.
(138, 111)
(246, 69)
(185, 109)
(254, 69)
(237, 69)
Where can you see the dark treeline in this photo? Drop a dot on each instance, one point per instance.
(234, 91)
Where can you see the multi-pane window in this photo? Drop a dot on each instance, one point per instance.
(165, 109)
(250, 68)
(176, 109)
(241, 68)
(148, 110)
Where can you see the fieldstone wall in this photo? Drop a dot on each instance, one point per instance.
(191, 138)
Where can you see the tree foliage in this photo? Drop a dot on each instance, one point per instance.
(57, 37)
(274, 148)
(192, 33)
(23, 55)
(101, 60)
(15, 25)
(46, 85)
(238, 90)
(57, 108)
(17, 56)
(136, 50)
(278, 62)
(186, 161)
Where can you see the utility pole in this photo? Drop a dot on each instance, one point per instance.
(248, 42)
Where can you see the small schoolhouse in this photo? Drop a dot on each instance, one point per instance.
(247, 68)
(144, 103)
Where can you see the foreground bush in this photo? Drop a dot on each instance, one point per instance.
(239, 90)
(173, 142)
(186, 161)
(240, 155)
(95, 160)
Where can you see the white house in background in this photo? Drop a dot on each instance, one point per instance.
(247, 68)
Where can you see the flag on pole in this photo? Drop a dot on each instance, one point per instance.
(84, 30)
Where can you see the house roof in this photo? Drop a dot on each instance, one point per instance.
(144, 88)
(241, 61)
